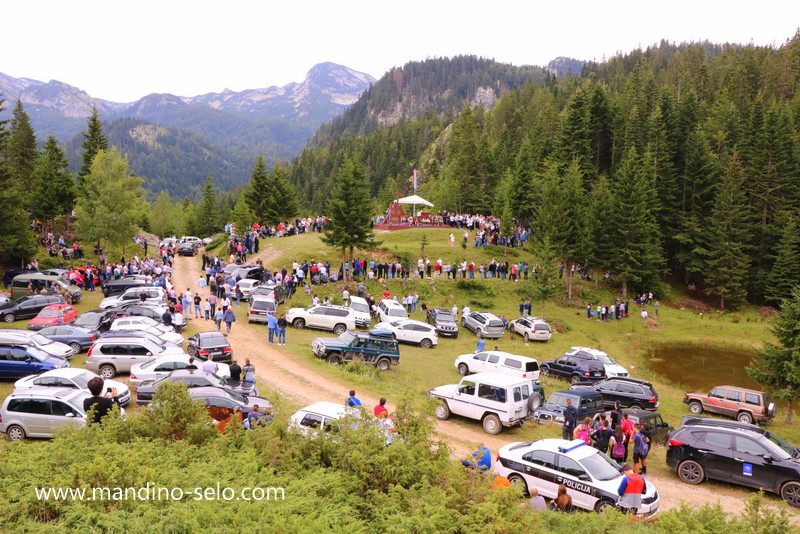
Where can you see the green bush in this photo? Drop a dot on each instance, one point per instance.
(475, 286)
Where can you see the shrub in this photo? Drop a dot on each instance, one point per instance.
(475, 286)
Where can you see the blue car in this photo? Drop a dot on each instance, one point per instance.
(16, 362)
(77, 337)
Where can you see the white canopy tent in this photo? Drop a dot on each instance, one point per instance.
(414, 199)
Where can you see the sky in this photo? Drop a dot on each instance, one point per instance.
(122, 50)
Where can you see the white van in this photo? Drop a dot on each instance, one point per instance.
(360, 309)
(496, 361)
(390, 310)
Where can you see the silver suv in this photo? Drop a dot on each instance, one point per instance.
(484, 324)
(336, 318)
(39, 412)
(112, 355)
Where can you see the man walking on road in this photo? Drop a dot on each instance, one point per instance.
(272, 324)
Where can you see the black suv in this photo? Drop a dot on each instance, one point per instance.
(212, 342)
(376, 348)
(444, 322)
(628, 392)
(735, 452)
(117, 287)
(588, 403)
(27, 306)
(575, 368)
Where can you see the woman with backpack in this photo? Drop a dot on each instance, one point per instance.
(617, 446)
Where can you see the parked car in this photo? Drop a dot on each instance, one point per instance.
(146, 324)
(628, 392)
(213, 343)
(127, 334)
(118, 287)
(99, 320)
(336, 318)
(140, 309)
(192, 378)
(273, 290)
(259, 309)
(16, 361)
(191, 239)
(611, 367)
(154, 294)
(45, 284)
(411, 331)
(53, 314)
(734, 452)
(28, 306)
(495, 399)
(491, 361)
(8, 276)
(77, 337)
(155, 368)
(531, 328)
(443, 320)
(361, 311)
(248, 272)
(324, 415)
(587, 402)
(112, 355)
(71, 378)
(247, 286)
(574, 368)
(223, 403)
(745, 405)
(375, 347)
(592, 478)
(24, 338)
(41, 412)
(390, 310)
(484, 324)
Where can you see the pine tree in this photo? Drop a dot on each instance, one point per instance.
(164, 220)
(636, 236)
(785, 273)
(94, 141)
(602, 251)
(258, 191)
(20, 155)
(462, 164)
(544, 283)
(207, 212)
(242, 216)
(53, 186)
(777, 367)
(727, 264)
(110, 206)
(283, 199)
(348, 225)
(521, 193)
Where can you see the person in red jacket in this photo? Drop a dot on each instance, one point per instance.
(630, 490)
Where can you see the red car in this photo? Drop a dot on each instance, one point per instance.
(53, 314)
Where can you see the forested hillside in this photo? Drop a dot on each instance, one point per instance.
(677, 161)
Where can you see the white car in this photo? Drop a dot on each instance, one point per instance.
(322, 415)
(146, 324)
(336, 318)
(155, 368)
(27, 338)
(247, 286)
(496, 361)
(592, 478)
(612, 368)
(531, 329)
(411, 331)
(154, 294)
(71, 378)
(390, 310)
(361, 309)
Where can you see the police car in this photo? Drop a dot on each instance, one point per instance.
(592, 478)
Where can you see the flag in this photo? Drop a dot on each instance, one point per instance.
(415, 180)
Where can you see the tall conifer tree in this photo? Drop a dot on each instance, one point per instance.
(94, 141)
(20, 155)
(53, 186)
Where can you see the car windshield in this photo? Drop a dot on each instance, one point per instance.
(38, 354)
(558, 400)
(39, 339)
(50, 313)
(601, 466)
(778, 448)
(348, 337)
(602, 357)
(82, 380)
(444, 317)
(360, 306)
(149, 363)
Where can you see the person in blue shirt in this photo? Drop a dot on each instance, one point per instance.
(352, 400)
(481, 459)
(272, 325)
(481, 346)
(256, 418)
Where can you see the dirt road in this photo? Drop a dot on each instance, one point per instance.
(303, 385)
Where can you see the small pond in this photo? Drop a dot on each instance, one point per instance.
(700, 368)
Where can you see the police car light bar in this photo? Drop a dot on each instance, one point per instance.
(571, 445)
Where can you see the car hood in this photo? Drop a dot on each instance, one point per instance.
(614, 369)
(329, 341)
(447, 389)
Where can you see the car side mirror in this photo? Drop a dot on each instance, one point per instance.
(70, 414)
(584, 476)
(149, 353)
(768, 458)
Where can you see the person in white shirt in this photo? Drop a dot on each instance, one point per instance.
(210, 366)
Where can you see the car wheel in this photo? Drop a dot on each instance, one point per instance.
(384, 364)
(15, 433)
(108, 371)
(691, 472)
(334, 358)
(9, 318)
(480, 334)
(455, 336)
(636, 407)
(463, 369)
(544, 371)
(744, 417)
(192, 350)
(339, 329)
(426, 343)
(575, 379)
(491, 424)
(442, 411)
(518, 482)
(526, 337)
(463, 323)
(790, 492)
(76, 347)
(602, 505)
(299, 324)
(696, 408)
